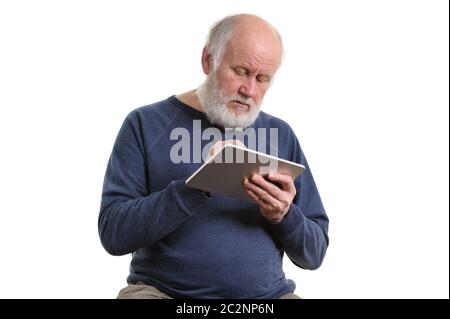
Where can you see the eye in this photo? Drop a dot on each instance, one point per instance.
(263, 78)
(241, 71)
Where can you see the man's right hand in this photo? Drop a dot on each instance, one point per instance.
(219, 145)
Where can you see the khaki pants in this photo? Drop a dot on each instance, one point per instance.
(143, 291)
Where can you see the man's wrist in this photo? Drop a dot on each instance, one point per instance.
(280, 218)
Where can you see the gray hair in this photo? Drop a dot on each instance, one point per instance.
(219, 35)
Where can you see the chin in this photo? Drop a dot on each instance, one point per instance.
(237, 113)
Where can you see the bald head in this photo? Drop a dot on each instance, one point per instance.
(247, 24)
(239, 30)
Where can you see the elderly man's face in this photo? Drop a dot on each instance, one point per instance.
(246, 70)
(234, 89)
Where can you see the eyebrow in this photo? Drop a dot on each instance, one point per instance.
(249, 69)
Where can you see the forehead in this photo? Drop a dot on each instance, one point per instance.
(256, 52)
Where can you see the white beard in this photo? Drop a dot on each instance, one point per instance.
(214, 103)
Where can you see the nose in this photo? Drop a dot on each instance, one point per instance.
(248, 88)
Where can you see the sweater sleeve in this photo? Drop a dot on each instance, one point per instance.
(130, 216)
(303, 232)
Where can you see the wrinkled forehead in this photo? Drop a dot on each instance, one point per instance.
(254, 48)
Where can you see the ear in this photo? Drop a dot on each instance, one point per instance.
(206, 61)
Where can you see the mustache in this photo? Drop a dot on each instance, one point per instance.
(248, 101)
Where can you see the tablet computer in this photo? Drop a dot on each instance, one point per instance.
(225, 172)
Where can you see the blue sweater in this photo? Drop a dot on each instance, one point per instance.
(189, 244)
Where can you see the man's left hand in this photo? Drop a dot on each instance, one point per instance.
(274, 202)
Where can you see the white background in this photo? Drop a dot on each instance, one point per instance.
(364, 84)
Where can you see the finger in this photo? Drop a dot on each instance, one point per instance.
(252, 195)
(285, 180)
(234, 142)
(247, 188)
(256, 199)
(215, 148)
(212, 150)
(263, 195)
(239, 143)
(269, 187)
